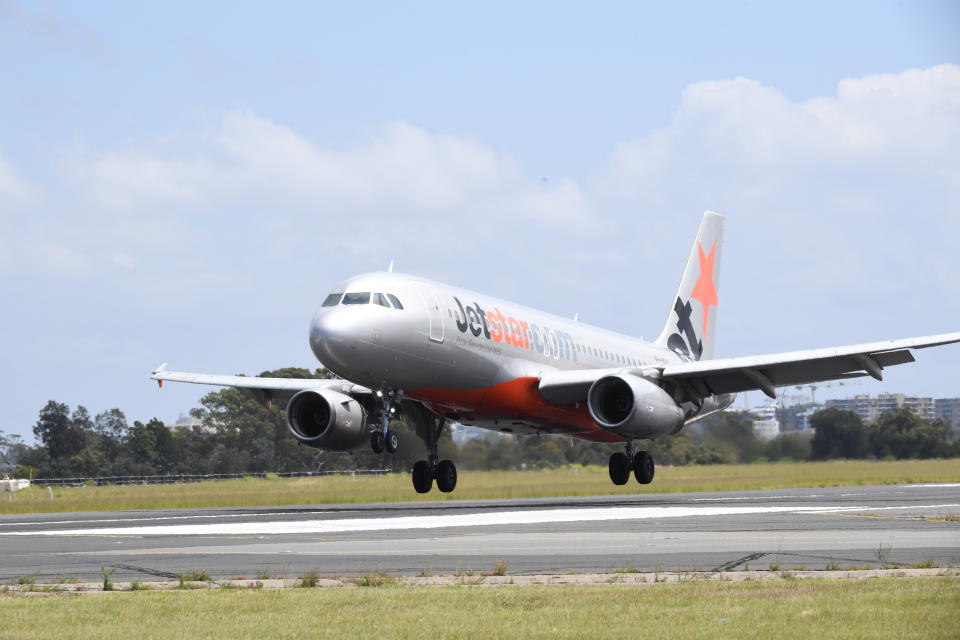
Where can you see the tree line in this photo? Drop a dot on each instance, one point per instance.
(238, 434)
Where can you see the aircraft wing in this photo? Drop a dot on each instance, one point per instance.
(264, 389)
(766, 372)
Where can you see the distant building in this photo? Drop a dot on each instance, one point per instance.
(948, 410)
(766, 426)
(870, 408)
(186, 420)
(802, 416)
(461, 434)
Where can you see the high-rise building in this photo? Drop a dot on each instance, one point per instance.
(948, 410)
(870, 408)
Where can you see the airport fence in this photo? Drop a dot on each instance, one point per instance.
(173, 479)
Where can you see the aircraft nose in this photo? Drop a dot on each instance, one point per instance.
(328, 329)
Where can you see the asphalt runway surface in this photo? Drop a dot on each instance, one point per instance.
(814, 528)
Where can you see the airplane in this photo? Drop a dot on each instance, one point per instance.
(401, 344)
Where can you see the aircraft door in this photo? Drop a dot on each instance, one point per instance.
(434, 313)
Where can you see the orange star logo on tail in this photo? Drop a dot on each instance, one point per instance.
(704, 290)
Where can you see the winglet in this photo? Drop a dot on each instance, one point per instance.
(160, 369)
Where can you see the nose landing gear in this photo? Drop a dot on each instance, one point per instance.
(385, 439)
(622, 463)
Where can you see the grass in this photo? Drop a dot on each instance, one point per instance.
(310, 579)
(902, 608)
(107, 582)
(568, 481)
(195, 575)
(378, 579)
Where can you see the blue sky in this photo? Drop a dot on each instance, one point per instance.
(183, 183)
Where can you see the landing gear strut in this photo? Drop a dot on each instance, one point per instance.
(429, 427)
(623, 462)
(385, 438)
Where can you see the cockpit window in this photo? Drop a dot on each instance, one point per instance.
(357, 297)
(332, 300)
(380, 299)
(395, 301)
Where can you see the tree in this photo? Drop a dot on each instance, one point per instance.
(903, 434)
(731, 434)
(111, 423)
(62, 436)
(838, 434)
(247, 435)
(788, 446)
(150, 449)
(11, 449)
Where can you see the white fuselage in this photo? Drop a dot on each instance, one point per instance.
(466, 355)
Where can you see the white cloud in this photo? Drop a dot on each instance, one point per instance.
(855, 193)
(742, 128)
(857, 184)
(249, 159)
(14, 190)
(59, 259)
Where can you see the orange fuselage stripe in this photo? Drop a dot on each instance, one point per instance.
(517, 399)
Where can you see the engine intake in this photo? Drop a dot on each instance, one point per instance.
(326, 419)
(633, 407)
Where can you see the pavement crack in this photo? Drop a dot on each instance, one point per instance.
(736, 563)
(146, 570)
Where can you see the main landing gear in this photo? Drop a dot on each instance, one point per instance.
(429, 427)
(386, 438)
(622, 463)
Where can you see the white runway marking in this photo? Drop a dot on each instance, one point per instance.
(909, 506)
(219, 515)
(435, 522)
(927, 486)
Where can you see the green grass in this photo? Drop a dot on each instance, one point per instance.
(568, 481)
(901, 608)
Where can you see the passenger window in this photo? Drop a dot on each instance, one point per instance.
(395, 301)
(380, 299)
(358, 297)
(332, 300)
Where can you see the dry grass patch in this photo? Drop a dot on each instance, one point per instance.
(902, 608)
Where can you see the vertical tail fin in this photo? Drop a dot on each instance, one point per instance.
(692, 320)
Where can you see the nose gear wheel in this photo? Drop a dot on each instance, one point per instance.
(385, 439)
(377, 442)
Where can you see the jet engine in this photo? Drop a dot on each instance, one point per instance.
(326, 419)
(633, 407)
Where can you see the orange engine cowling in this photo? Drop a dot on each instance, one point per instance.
(326, 419)
(633, 407)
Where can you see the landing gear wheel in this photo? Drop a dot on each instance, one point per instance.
(376, 441)
(619, 468)
(422, 476)
(391, 441)
(643, 467)
(446, 476)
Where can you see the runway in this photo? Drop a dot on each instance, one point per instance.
(813, 528)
